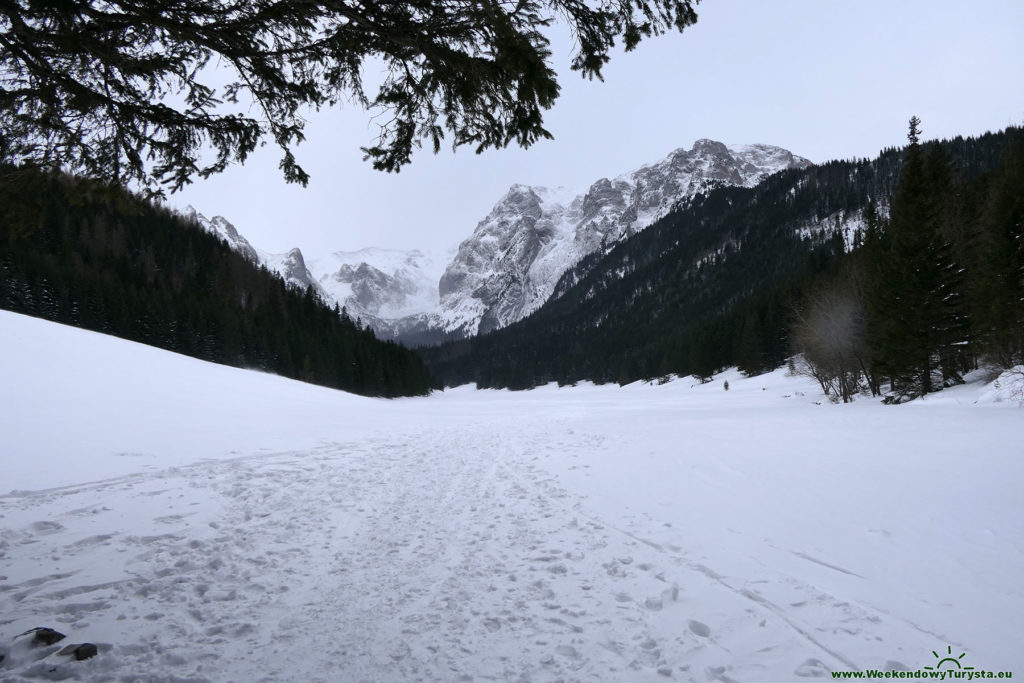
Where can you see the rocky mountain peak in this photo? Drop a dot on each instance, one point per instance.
(704, 146)
(221, 225)
(522, 200)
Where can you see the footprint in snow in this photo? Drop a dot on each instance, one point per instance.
(655, 604)
(812, 668)
(567, 651)
(699, 629)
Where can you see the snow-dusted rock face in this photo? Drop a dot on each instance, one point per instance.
(510, 265)
(380, 283)
(219, 226)
(292, 267)
(489, 284)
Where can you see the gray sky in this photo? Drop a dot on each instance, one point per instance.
(825, 79)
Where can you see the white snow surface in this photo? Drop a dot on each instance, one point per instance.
(205, 523)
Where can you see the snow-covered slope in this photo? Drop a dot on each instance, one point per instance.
(849, 224)
(204, 523)
(512, 262)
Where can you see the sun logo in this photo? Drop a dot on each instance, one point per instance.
(954, 662)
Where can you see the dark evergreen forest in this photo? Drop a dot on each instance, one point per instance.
(725, 279)
(935, 290)
(97, 257)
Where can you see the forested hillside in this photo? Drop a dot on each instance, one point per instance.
(97, 257)
(935, 290)
(718, 282)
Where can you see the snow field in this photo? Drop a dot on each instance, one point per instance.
(206, 523)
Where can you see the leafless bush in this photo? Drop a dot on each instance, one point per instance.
(829, 335)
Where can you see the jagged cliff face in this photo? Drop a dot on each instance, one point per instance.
(510, 265)
(489, 283)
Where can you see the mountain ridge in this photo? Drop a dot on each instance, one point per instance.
(515, 256)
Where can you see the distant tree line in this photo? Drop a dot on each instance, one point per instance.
(76, 252)
(933, 291)
(731, 277)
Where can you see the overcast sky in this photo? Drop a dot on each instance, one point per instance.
(825, 79)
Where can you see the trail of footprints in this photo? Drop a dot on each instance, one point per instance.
(440, 558)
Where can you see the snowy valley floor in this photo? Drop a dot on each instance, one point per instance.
(204, 523)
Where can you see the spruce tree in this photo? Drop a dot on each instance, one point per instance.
(1001, 264)
(917, 309)
(120, 91)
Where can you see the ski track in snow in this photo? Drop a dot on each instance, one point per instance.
(423, 558)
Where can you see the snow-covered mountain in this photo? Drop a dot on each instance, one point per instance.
(382, 283)
(511, 263)
(509, 266)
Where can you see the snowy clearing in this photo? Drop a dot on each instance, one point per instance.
(203, 523)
